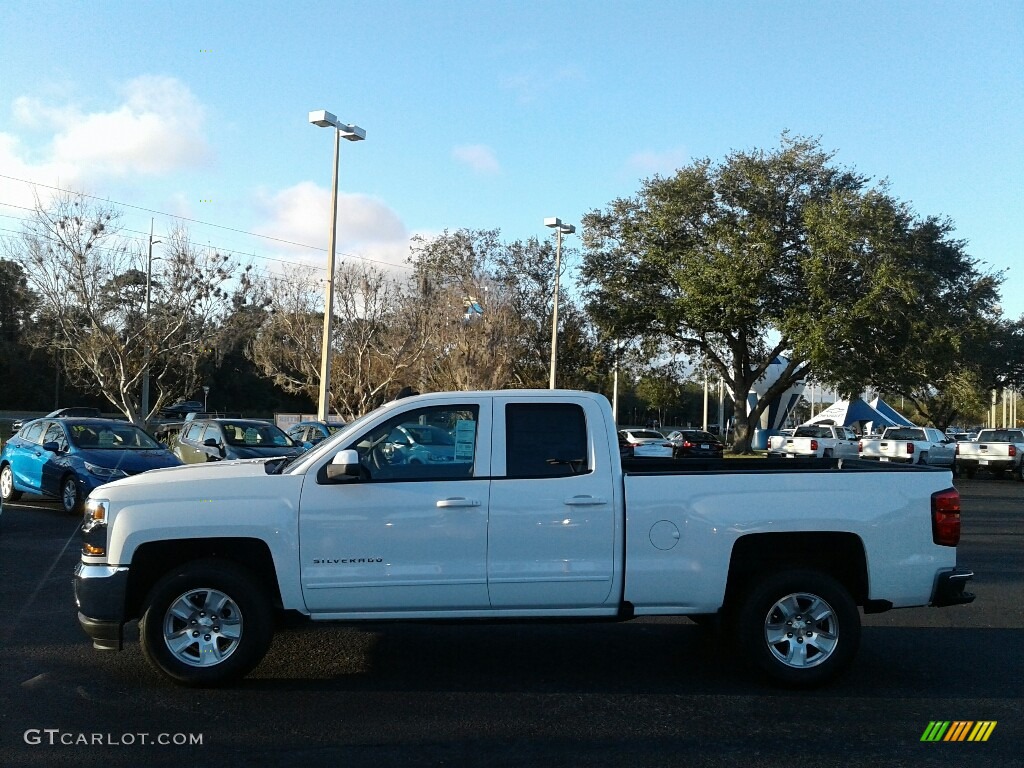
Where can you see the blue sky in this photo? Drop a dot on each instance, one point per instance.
(497, 114)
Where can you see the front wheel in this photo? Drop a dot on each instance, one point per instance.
(206, 623)
(7, 492)
(70, 496)
(801, 627)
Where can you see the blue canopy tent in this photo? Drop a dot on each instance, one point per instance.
(854, 412)
(891, 413)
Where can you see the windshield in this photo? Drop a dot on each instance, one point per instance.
(904, 434)
(255, 434)
(113, 437)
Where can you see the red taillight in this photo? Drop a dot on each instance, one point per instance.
(687, 444)
(910, 448)
(814, 445)
(946, 518)
(957, 449)
(1013, 451)
(860, 446)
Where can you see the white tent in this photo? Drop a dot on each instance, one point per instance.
(852, 412)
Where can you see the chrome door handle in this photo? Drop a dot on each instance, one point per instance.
(457, 501)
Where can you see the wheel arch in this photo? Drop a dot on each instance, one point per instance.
(155, 558)
(838, 554)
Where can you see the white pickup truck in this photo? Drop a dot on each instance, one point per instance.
(533, 514)
(822, 441)
(911, 445)
(997, 450)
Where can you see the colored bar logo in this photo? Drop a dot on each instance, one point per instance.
(958, 730)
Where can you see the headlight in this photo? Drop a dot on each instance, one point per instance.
(105, 472)
(94, 528)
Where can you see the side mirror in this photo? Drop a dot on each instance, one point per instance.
(344, 465)
(211, 442)
(52, 446)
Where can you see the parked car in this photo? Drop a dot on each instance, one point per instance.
(823, 441)
(68, 458)
(61, 413)
(648, 442)
(181, 408)
(910, 445)
(309, 433)
(535, 520)
(419, 444)
(995, 450)
(205, 440)
(695, 443)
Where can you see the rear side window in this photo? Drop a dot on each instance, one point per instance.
(34, 432)
(545, 440)
(194, 430)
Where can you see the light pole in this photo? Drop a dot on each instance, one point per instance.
(149, 294)
(560, 229)
(325, 119)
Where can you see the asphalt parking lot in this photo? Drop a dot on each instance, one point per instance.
(641, 693)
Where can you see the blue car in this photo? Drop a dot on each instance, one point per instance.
(66, 459)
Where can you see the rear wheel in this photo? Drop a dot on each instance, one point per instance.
(7, 492)
(206, 623)
(801, 627)
(922, 459)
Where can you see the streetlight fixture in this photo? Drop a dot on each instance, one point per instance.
(149, 294)
(325, 119)
(560, 229)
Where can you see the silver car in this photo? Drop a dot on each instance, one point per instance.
(648, 442)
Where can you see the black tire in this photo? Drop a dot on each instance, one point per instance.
(801, 653)
(827, 453)
(922, 459)
(7, 492)
(968, 473)
(1020, 471)
(70, 495)
(240, 635)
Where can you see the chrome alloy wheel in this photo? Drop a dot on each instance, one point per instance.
(6, 483)
(801, 630)
(202, 627)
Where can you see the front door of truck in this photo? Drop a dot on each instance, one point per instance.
(552, 530)
(410, 534)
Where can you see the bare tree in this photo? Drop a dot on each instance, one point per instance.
(92, 287)
(374, 343)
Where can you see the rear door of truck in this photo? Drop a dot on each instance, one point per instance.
(553, 529)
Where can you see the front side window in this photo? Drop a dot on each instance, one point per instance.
(436, 443)
(54, 434)
(545, 440)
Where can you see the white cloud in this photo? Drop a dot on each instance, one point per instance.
(648, 163)
(536, 86)
(479, 157)
(300, 214)
(156, 128)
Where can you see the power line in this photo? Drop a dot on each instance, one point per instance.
(203, 223)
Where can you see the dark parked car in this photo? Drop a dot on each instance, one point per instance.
(67, 458)
(695, 443)
(309, 433)
(225, 439)
(181, 408)
(61, 413)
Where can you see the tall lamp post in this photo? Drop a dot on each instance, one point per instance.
(325, 119)
(560, 229)
(149, 294)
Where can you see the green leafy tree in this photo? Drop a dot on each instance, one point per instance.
(779, 252)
